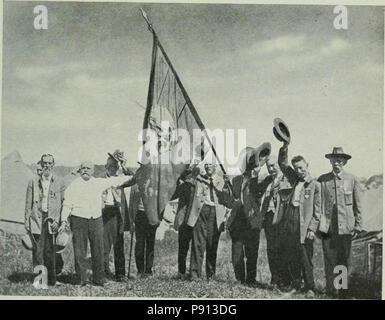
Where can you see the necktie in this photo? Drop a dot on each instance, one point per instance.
(211, 190)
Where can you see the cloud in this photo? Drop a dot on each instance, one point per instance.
(35, 74)
(288, 43)
(312, 55)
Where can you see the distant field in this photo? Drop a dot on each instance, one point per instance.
(16, 276)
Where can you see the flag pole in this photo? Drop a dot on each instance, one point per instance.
(185, 95)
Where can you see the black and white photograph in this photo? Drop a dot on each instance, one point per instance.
(191, 151)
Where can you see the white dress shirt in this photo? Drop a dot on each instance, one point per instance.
(45, 182)
(84, 198)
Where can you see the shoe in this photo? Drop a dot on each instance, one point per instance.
(310, 294)
(99, 283)
(181, 276)
(58, 284)
(120, 278)
(194, 277)
(109, 275)
(288, 290)
(253, 284)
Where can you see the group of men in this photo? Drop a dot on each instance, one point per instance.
(289, 204)
(95, 210)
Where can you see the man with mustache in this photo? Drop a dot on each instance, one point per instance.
(82, 204)
(341, 218)
(43, 217)
(301, 220)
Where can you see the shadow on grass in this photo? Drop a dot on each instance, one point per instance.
(364, 288)
(18, 277)
(68, 279)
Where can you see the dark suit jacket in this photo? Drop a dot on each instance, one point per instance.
(249, 210)
(310, 198)
(281, 193)
(345, 193)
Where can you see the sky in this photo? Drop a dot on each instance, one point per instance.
(73, 90)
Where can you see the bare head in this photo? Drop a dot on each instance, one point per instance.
(210, 168)
(47, 162)
(272, 165)
(300, 166)
(39, 169)
(86, 170)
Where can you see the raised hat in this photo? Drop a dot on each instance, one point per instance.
(338, 152)
(281, 130)
(250, 156)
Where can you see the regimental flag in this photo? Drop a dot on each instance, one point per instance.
(168, 110)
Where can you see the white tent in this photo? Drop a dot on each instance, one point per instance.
(14, 180)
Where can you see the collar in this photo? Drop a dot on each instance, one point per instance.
(50, 178)
(307, 180)
(338, 175)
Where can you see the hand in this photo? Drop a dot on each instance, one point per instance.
(62, 227)
(27, 227)
(257, 169)
(310, 235)
(285, 144)
(54, 226)
(355, 234)
(226, 178)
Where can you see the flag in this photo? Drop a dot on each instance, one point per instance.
(169, 109)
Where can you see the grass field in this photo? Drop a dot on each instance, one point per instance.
(16, 276)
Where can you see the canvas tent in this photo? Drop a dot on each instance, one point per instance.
(15, 175)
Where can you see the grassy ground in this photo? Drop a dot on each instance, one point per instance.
(16, 276)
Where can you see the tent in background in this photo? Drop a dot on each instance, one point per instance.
(15, 175)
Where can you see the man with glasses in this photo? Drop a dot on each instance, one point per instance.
(43, 217)
(341, 218)
(82, 203)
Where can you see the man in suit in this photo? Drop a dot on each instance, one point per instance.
(341, 218)
(43, 217)
(245, 220)
(184, 193)
(274, 192)
(113, 212)
(205, 215)
(144, 234)
(301, 220)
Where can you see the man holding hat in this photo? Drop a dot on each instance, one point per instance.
(43, 217)
(114, 210)
(245, 219)
(274, 192)
(300, 221)
(341, 218)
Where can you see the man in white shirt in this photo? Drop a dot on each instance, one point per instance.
(83, 203)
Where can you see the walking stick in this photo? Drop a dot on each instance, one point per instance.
(129, 258)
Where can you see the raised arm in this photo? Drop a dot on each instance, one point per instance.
(283, 162)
